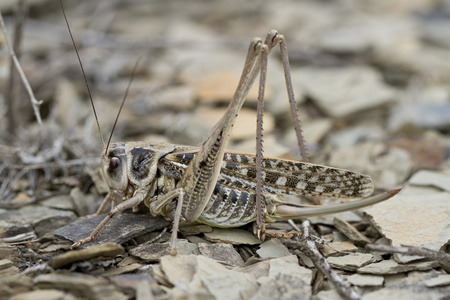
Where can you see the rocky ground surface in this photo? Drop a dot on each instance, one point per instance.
(372, 85)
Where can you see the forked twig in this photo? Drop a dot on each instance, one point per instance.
(34, 102)
(412, 251)
(309, 247)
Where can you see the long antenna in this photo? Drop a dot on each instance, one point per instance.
(123, 101)
(84, 75)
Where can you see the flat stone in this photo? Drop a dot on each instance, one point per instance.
(337, 248)
(412, 287)
(220, 87)
(106, 251)
(365, 280)
(431, 178)
(197, 272)
(152, 252)
(48, 294)
(221, 252)
(204, 118)
(42, 219)
(406, 219)
(272, 248)
(80, 285)
(232, 236)
(121, 228)
(284, 286)
(350, 262)
(351, 232)
(195, 228)
(349, 89)
(441, 280)
(279, 268)
(5, 263)
(59, 202)
(132, 283)
(392, 267)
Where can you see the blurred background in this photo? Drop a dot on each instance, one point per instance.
(371, 80)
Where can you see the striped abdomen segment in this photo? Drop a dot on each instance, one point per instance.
(229, 208)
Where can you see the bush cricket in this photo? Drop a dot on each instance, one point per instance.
(208, 184)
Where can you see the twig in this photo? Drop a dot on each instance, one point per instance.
(413, 251)
(13, 89)
(34, 102)
(309, 247)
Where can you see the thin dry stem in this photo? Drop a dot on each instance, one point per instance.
(34, 102)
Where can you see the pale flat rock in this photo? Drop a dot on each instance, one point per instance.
(441, 280)
(202, 275)
(284, 286)
(351, 262)
(412, 287)
(348, 89)
(365, 280)
(47, 294)
(392, 267)
(280, 268)
(59, 202)
(224, 253)
(5, 263)
(431, 178)
(415, 218)
(205, 118)
(313, 131)
(220, 87)
(232, 236)
(261, 268)
(338, 248)
(328, 295)
(152, 252)
(81, 285)
(272, 248)
(42, 219)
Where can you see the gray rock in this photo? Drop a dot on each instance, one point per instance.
(392, 267)
(80, 285)
(290, 270)
(351, 262)
(441, 280)
(344, 91)
(272, 248)
(412, 287)
(365, 280)
(221, 252)
(232, 236)
(59, 202)
(399, 217)
(121, 228)
(152, 252)
(42, 219)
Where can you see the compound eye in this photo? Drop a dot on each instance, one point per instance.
(114, 163)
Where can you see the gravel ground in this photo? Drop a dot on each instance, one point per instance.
(371, 80)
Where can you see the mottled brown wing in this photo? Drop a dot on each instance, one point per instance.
(287, 177)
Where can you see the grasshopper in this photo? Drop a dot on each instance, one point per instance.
(208, 184)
